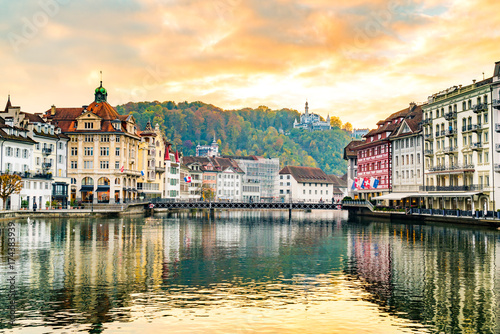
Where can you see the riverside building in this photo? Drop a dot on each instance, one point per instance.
(461, 144)
(151, 162)
(102, 152)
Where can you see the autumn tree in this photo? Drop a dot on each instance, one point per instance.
(9, 184)
(207, 192)
(335, 122)
(347, 127)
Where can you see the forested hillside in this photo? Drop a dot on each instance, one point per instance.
(244, 132)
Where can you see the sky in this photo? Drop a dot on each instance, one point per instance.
(359, 60)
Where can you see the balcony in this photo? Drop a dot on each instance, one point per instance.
(454, 167)
(450, 115)
(450, 150)
(427, 121)
(160, 169)
(451, 132)
(46, 150)
(475, 127)
(428, 152)
(480, 107)
(428, 137)
(497, 168)
(477, 146)
(497, 147)
(495, 104)
(46, 165)
(497, 127)
(472, 187)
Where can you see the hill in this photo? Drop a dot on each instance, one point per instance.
(244, 132)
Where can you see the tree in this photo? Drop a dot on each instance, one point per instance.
(9, 184)
(207, 192)
(335, 122)
(347, 126)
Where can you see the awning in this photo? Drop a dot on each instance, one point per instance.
(87, 188)
(396, 196)
(102, 189)
(450, 194)
(399, 196)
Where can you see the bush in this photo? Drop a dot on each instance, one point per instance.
(24, 204)
(347, 198)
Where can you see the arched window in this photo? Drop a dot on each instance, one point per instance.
(117, 180)
(88, 181)
(103, 181)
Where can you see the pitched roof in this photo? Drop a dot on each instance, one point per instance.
(350, 149)
(337, 181)
(306, 174)
(65, 117)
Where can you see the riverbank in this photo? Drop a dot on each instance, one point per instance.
(98, 211)
(423, 218)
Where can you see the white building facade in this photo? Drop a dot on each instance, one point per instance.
(305, 184)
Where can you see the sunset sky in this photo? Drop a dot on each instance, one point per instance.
(360, 60)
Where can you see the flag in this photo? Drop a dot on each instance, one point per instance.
(359, 183)
(366, 183)
(142, 173)
(375, 183)
(187, 179)
(177, 156)
(353, 184)
(122, 169)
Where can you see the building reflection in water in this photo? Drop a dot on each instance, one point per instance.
(88, 273)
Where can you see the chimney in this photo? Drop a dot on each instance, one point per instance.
(52, 110)
(412, 105)
(474, 81)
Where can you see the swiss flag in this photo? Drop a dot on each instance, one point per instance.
(366, 183)
(122, 169)
(359, 183)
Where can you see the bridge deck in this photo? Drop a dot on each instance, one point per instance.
(246, 205)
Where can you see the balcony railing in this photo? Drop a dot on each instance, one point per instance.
(497, 127)
(450, 132)
(46, 165)
(472, 187)
(447, 168)
(428, 152)
(475, 127)
(495, 104)
(437, 134)
(448, 150)
(497, 147)
(426, 121)
(497, 168)
(477, 146)
(46, 150)
(480, 107)
(428, 136)
(450, 115)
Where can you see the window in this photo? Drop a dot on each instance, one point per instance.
(117, 164)
(25, 154)
(38, 161)
(74, 165)
(117, 138)
(105, 138)
(88, 151)
(60, 159)
(74, 151)
(88, 164)
(73, 180)
(486, 139)
(89, 125)
(18, 153)
(104, 164)
(89, 138)
(486, 157)
(9, 151)
(117, 151)
(486, 118)
(104, 151)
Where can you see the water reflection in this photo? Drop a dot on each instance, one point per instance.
(252, 272)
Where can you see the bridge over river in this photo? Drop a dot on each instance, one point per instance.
(166, 204)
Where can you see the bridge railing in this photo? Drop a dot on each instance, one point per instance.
(358, 203)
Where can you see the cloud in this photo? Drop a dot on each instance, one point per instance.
(360, 60)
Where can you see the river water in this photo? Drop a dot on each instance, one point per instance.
(249, 272)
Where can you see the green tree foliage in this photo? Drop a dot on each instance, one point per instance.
(246, 131)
